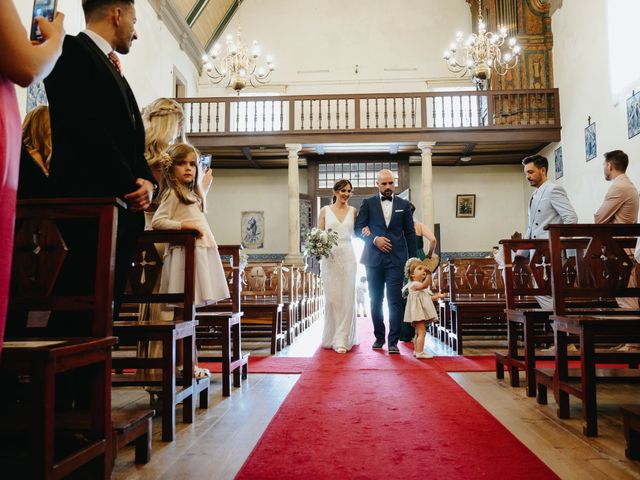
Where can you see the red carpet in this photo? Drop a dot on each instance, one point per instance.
(368, 415)
(262, 364)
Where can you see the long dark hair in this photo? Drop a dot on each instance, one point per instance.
(340, 184)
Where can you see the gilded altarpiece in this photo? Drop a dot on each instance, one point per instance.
(530, 22)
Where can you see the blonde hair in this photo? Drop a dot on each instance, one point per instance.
(36, 134)
(160, 118)
(185, 193)
(411, 265)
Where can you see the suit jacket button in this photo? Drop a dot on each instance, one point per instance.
(536, 224)
(538, 209)
(534, 236)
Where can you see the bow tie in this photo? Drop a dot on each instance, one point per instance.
(384, 198)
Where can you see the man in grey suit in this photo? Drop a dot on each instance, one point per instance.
(548, 204)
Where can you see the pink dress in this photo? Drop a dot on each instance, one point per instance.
(10, 139)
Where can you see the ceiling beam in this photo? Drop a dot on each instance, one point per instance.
(246, 151)
(222, 25)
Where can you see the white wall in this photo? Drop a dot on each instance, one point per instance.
(500, 204)
(337, 35)
(148, 67)
(236, 191)
(581, 72)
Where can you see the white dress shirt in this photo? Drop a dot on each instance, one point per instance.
(387, 209)
(102, 44)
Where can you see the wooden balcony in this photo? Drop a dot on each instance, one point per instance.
(489, 126)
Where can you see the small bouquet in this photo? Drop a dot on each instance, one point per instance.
(319, 243)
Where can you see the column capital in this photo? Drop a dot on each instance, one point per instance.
(293, 148)
(425, 147)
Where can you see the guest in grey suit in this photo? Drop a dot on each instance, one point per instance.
(548, 204)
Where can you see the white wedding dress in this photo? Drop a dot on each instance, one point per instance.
(338, 273)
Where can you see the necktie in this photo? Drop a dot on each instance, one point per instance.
(384, 198)
(116, 62)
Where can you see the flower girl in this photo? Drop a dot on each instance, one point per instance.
(182, 207)
(420, 308)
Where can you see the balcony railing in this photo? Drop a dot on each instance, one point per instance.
(378, 112)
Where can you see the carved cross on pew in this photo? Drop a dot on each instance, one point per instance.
(522, 277)
(545, 268)
(143, 263)
(607, 257)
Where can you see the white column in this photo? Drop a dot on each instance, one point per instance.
(427, 184)
(293, 253)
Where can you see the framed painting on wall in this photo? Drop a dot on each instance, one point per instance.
(558, 162)
(590, 145)
(466, 205)
(252, 229)
(633, 114)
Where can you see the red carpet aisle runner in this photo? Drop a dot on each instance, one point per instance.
(368, 415)
(262, 364)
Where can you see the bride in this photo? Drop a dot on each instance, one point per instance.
(338, 272)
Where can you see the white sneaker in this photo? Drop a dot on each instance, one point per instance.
(422, 355)
(340, 350)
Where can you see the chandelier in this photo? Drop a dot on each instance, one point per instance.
(481, 53)
(239, 67)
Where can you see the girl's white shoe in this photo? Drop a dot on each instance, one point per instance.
(341, 350)
(422, 355)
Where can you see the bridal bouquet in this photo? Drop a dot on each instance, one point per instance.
(319, 243)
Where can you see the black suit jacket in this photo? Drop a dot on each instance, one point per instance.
(96, 127)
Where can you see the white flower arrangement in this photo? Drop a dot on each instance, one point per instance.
(319, 243)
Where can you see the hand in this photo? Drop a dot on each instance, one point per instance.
(192, 226)
(52, 31)
(140, 199)
(366, 232)
(383, 244)
(207, 178)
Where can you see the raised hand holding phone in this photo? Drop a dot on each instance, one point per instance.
(44, 12)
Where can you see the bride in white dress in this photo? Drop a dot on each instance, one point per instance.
(338, 272)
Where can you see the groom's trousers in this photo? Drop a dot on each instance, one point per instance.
(390, 276)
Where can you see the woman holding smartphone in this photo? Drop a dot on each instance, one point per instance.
(22, 62)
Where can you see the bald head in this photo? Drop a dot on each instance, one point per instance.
(385, 182)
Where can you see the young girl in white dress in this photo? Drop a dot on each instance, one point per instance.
(420, 308)
(182, 207)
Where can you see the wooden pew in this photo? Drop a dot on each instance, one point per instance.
(147, 266)
(603, 270)
(524, 279)
(262, 303)
(64, 429)
(219, 325)
(476, 301)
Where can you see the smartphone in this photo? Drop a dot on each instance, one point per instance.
(205, 161)
(41, 8)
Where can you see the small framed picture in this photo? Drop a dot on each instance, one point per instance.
(252, 234)
(466, 205)
(633, 114)
(558, 162)
(590, 146)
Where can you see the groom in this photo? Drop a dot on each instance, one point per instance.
(385, 224)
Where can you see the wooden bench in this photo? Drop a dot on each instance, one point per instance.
(219, 326)
(476, 301)
(55, 409)
(172, 334)
(604, 268)
(133, 427)
(631, 422)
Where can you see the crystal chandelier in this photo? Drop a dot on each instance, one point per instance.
(239, 66)
(481, 53)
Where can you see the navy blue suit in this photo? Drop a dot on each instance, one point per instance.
(386, 269)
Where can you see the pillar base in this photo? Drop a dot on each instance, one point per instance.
(294, 259)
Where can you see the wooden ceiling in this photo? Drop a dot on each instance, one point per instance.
(206, 18)
(446, 154)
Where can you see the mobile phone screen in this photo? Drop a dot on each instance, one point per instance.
(41, 8)
(205, 161)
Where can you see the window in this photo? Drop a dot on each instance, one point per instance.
(624, 68)
(362, 174)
